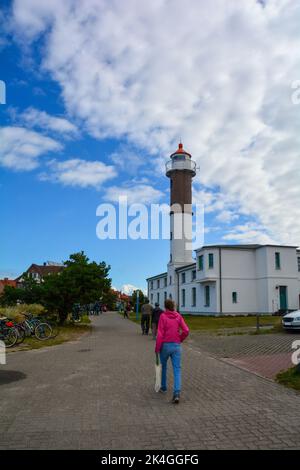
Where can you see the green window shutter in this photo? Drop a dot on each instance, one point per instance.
(277, 260)
(207, 296)
(194, 297)
(183, 298)
(201, 263)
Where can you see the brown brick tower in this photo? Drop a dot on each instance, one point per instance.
(180, 169)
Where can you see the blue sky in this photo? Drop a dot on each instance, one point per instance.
(98, 96)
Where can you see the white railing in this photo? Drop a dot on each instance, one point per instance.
(181, 165)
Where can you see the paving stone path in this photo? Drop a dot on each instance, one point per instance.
(98, 393)
(265, 355)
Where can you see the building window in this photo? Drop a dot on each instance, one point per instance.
(165, 295)
(200, 261)
(183, 278)
(170, 280)
(151, 298)
(210, 260)
(234, 297)
(193, 274)
(157, 297)
(171, 235)
(151, 285)
(158, 283)
(194, 298)
(170, 257)
(277, 260)
(182, 297)
(165, 282)
(299, 264)
(170, 296)
(207, 296)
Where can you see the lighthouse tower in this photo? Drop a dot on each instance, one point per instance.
(180, 169)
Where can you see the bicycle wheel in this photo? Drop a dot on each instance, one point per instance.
(43, 331)
(10, 337)
(55, 329)
(21, 334)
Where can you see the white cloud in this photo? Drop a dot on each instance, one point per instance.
(249, 233)
(226, 216)
(21, 148)
(138, 193)
(35, 118)
(76, 172)
(216, 73)
(128, 160)
(128, 289)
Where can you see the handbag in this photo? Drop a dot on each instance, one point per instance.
(157, 385)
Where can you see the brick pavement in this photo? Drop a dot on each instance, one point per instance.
(265, 355)
(97, 393)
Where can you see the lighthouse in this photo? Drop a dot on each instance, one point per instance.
(180, 169)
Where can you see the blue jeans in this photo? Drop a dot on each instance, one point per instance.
(172, 350)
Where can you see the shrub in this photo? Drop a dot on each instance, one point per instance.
(16, 312)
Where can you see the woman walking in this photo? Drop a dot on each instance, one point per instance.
(172, 331)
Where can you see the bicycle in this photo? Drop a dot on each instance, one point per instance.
(34, 326)
(8, 333)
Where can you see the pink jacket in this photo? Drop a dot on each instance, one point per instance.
(171, 329)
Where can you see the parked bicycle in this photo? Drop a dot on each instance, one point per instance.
(35, 326)
(8, 333)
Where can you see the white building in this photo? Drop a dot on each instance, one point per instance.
(224, 279)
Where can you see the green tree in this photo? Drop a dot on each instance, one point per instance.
(109, 299)
(142, 299)
(80, 281)
(29, 293)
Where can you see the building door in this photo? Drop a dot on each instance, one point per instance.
(283, 298)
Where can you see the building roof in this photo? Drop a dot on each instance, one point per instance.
(157, 276)
(8, 282)
(187, 266)
(43, 270)
(245, 246)
(181, 150)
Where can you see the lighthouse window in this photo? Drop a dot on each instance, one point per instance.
(170, 280)
(183, 278)
(234, 297)
(210, 260)
(165, 282)
(193, 274)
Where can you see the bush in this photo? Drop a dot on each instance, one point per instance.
(16, 312)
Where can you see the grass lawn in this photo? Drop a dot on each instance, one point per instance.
(290, 378)
(213, 324)
(202, 323)
(69, 332)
